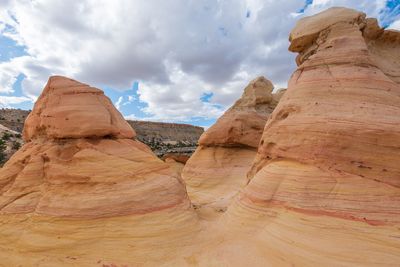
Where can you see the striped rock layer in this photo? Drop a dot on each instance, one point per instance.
(81, 187)
(325, 185)
(323, 189)
(217, 169)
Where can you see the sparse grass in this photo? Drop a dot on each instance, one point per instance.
(3, 148)
(16, 145)
(6, 136)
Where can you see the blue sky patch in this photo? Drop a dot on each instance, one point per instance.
(9, 49)
(130, 103)
(308, 2)
(391, 13)
(206, 97)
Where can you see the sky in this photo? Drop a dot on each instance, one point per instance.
(182, 61)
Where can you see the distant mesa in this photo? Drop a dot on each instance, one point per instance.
(166, 138)
(163, 138)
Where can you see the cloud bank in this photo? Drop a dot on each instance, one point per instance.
(176, 50)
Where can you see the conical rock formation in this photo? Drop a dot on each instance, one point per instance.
(323, 189)
(327, 176)
(81, 187)
(217, 169)
(243, 123)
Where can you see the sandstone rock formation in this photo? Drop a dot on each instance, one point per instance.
(218, 168)
(175, 165)
(325, 185)
(323, 189)
(163, 138)
(81, 191)
(176, 161)
(70, 109)
(182, 158)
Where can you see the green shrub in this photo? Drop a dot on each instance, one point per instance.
(6, 136)
(16, 145)
(2, 151)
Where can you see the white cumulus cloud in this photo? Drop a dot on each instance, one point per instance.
(8, 101)
(119, 102)
(395, 25)
(177, 50)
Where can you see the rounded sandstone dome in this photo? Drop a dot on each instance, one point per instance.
(70, 109)
(243, 123)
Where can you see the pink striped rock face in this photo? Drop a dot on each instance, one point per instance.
(81, 186)
(88, 179)
(331, 148)
(318, 186)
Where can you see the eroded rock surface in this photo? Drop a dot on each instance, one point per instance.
(70, 109)
(323, 190)
(76, 191)
(218, 168)
(243, 123)
(327, 170)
